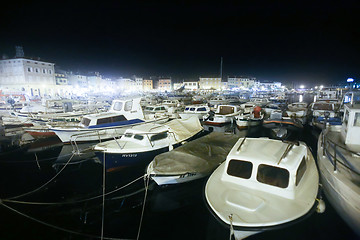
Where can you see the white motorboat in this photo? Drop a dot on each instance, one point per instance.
(263, 184)
(325, 109)
(161, 110)
(297, 109)
(143, 142)
(224, 114)
(248, 107)
(194, 110)
(248, 120)
(259, 101)
(123, 114)
(218, 100)
(191, 161)
(339, 165)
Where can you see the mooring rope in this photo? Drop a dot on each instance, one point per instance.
(57, 227)
(231, 227)
(37, 189)
(146, 183)
(77, 201)
(37, 162)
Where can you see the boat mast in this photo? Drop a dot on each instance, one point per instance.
(221, 65)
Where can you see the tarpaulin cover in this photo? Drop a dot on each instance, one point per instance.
(202, 155)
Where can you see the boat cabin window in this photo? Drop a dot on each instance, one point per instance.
(85, 121)
(118, 106)
(159, 136)
(187, 108)
(202, 109)
(278, 177)
(128, 135)
(357, 120)
(118, 118)
(149, 108)
(301, 170)
(239, 168)
(138, 137)
(128, 106)
(111, 119)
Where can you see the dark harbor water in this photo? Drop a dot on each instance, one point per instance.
(70, 206)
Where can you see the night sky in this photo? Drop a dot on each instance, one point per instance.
(289, 41)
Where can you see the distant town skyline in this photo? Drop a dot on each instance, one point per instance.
(290, 42)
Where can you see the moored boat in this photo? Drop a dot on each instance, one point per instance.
(194, 110)
(263, 184)
(224, 114)
(123, 114)
(142, 143)
(194, 160)
(339, 165)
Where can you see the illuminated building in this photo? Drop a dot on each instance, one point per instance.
(147, 85)
(241, 82)
(164, 84)
(33, 77)
(210, 83)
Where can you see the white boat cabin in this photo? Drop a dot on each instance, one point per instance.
(350, 129)
(120, 110)
(197, 109)
(319, 108)
(270, 166)
(130, 108)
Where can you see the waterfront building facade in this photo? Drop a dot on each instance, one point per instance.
(147, 85)
(241, 83)
(191, 85)
(164, 84)
(210, 83)
(33, 77)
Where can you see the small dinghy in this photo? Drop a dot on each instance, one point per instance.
(193, 160)
(263, 184)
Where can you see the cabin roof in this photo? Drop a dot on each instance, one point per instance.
(268, 151)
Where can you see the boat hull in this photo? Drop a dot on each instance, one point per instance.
(117, 161)
(340, 190)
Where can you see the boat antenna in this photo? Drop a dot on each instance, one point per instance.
(287, 150)
(242, 142)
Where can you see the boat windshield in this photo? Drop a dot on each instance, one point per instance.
(239, 168)
(323, 106)
(202, 109)
(274, 176)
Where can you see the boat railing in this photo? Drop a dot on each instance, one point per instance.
(96, 134)
(331, 149)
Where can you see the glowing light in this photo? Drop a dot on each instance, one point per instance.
(350, 80)
(302, 86)
(321, 87)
